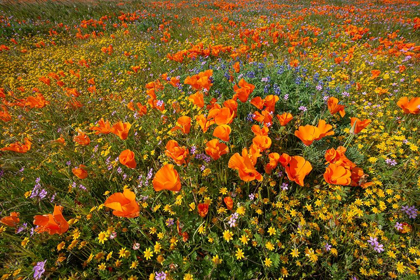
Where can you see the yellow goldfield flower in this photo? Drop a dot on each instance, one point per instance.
(227, 235)
(239, 254)
(268, 262)
(148, 254)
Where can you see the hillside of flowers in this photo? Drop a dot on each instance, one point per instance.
(248, 139)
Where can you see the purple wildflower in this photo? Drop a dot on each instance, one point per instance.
(39, 269)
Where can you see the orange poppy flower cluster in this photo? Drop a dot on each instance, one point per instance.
(296, 167)
(308, 133)
(18, 147)
(120, 129)
(410, 106)
(51, 223)
(80, 172)
(124, 204)
(178, 154)
(342, 171)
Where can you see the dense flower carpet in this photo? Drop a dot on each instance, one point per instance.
(249, 139)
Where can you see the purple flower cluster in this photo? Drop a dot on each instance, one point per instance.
(169, 222)
(160, 275)
(399, 226)
(204, 157)
(39, 269)
(232, 220)
(391, 162)
(410, 211)
(38, 191)
(284, 186)
(373, 241)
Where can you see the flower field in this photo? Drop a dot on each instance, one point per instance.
(250, 139)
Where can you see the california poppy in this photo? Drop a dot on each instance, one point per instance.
(258, 131)
(127, 158)
(337, 175)
(324, 129)
(262, 142)
(274, 159)
(203, 123)
(121, 129)
(175, 152)
(337, 156)
(308, 134)
(221, 115)
(270, 102)
(360, 125)
(245, 166)
(222, 132)
(284, 118)
(124, 204)
(411, 106)
(104, 127)
(52, 224)
(296, 168)
(80, 172)
(197, 99)
(334, 107)
(203, 209)
(81, 138)
(183, 124)
(215, 149)
(229, 202)
(237, 67)
(167, 178)
(258, 102)
(243, 91)
(18, 147)
(12, 220)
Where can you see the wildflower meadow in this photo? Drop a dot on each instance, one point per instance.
(181, 139)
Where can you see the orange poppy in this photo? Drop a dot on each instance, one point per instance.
(12, 220)
(222, 132)
(167, 178)
(229, 202)
(203, 209)
(18, 147)
(411, 106)
(4, 115)
(284, 118)
(237, 67)
(270, 102)
(245, 166)
(52, 224)
(264, 117)
(80, 172)
(324, 129)
(358, 125)
(203, 123)
(215, 149)
(36, 102)
(175, 152)
(338, 157)
(243, 91)
(221, 115)
(274, 160)
(197, 99)
(81, 138)
(258, 131)
(375, 73)
(337, 175)
(261, 142)
(127, 158)
(124, 204)
(257, 102)
(296, 168)
(142, 109)
(104, 127)
(184, 124)
(334, 107)
(121, 129)
(308, 134)
(232, 105)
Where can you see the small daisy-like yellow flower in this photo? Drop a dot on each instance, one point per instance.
(227, 235)
(124, 253)
(269, 246)
(216, 260)
(157, 247)
(109, 256)
(24, 242)
(268, 262)
(102, 266)
(239, 254)
(103, 236)
(148, 254)
(188, 276)
(295, 253)
(134, 264)
(271, 231)
(244, 239)
(400, 267)
(223, 191)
